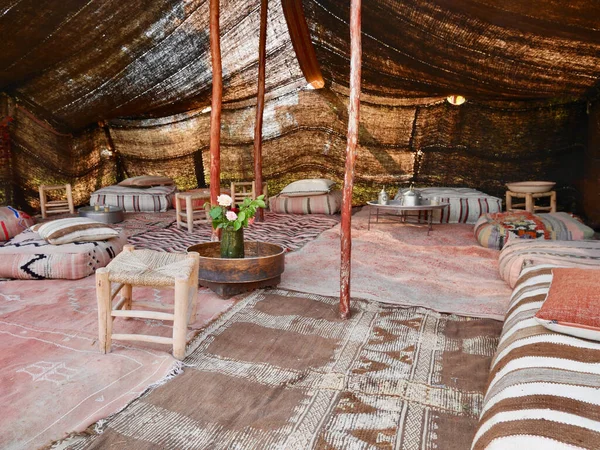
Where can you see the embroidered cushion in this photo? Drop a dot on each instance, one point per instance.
(29, 257)
(303, 188)
(494, 230)
(13, 222)
(147, 181)
(572, 305)
(75, 229)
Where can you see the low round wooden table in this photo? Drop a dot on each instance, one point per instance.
(396, 206)
(262, 267)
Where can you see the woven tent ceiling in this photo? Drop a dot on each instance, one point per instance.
(527, 68)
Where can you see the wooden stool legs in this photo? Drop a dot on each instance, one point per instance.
(185, 304)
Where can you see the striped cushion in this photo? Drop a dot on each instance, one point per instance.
(312, 204)
(544, 387)
(75, 229)
(12, 222)
(465, 204)
(130, 199)
(564, 253)
(494, 230)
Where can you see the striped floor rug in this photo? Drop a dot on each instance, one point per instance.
(280, 370)
(291, 231)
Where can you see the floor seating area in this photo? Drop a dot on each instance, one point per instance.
(516, 404)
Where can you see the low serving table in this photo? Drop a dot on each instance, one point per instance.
(113, 215)
(395, 206)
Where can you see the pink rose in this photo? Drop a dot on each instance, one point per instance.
(231, 215)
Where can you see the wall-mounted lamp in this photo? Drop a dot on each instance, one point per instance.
(456, 99)
(205, 110)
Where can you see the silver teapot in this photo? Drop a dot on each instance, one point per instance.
(411, 198)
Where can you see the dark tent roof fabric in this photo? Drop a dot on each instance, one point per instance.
(528, 70)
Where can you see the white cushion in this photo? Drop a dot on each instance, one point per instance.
(75, 229)
(313, 186)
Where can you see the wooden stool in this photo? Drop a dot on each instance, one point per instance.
(243, 189)
(530, 201)
(147, 268)
(190, 215)
(56, 206)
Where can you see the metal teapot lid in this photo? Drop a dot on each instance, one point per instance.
(411, 192)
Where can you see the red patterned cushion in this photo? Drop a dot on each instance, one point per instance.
(572, 305)
(13, 222)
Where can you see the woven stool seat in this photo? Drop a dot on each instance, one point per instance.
(149, 268)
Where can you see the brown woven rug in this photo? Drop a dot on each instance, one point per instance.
(280, 370)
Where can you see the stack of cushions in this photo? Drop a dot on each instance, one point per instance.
(311, 196)
(518, 252)
(13, 222)
(494, 230)
(135, 199)
(66, 248)
(465, 205)
(544, 386)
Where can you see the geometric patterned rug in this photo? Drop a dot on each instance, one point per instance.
(291, 231)
(282, 370)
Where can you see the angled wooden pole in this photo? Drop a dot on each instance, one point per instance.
(352, 139)
(260, 104)
(215, 112)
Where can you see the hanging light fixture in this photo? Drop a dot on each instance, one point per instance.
(456, 99)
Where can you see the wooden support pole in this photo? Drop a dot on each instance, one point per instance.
(260, 103)
(352, 140)
(215, 112)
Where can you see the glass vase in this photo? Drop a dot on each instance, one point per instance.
(232, 243)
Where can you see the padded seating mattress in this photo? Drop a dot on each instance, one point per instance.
(329, 203)
(466, 205)
(543, 390)
(131, 199)
(517, 252)
(29, 257)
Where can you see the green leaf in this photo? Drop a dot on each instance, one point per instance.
(216, 212)
(241, 216)
(237, 225)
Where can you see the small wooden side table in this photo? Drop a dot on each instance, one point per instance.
(191, 215)
(530, 201)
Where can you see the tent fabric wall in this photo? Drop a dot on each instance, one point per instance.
(527, 69)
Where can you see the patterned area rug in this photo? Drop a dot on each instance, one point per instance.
(291, 231)
(53, 378)
(280, 370)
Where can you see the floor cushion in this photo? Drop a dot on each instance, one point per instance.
(329, 203)
(131, 199)
(147, 181)
(517, 253)
(29, 257)
(543, 390)
(465, 204)
(13, 222)
(495, 230)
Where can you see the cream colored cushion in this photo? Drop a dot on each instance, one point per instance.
(75, 229)
(147, 181)
(303, 188)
